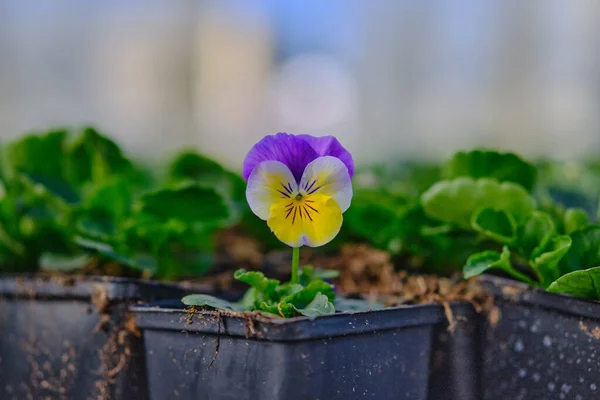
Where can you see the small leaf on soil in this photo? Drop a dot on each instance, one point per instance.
(319, 306)
(204, 300)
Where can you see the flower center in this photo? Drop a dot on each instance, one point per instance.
(301, 207)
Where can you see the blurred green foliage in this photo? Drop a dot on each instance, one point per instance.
(485, 210)
(73, 200)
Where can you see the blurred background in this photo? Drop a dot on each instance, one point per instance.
(394, 79)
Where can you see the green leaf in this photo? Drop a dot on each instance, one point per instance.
(256, 279)
(554, 210)
(303, 297)
(319, 306)
(308, 274)
(478, 263)
(34, 194)
(290, 300)
(39, 155)
(438, 230)
(191, 165)
(457, 200)
(575, 219)
(546, 264)
(535, 234)
(374, 217)
(324, 274)
(38, 218)
(246, 303)
(141, 262)
(93, 157)
(434, 248)
(265, 289)
(10, 244)
(287, 289)
(497, 225)
(112, 198)
(584, 252)
(186, 202)
(174, 263)
(285, 310)
(178, 247)
(100, 247)
(204, 300)
(101, 229)
(585, 284)
(63, 262)
(157, 231)
(51, 186)
(505, 167)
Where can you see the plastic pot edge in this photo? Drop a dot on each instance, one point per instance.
(519, 292)
(293, 329)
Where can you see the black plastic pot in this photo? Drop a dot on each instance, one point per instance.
(73, 339)
(540, 345)
(382, 354)
(456, 357)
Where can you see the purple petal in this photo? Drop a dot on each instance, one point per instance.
(291, 150)
(330, 146)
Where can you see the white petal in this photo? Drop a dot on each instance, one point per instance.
(270, 182)
(329, 176)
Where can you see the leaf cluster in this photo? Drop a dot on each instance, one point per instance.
(483, 211)
(519, 232)
(72, 201)
(311, 297)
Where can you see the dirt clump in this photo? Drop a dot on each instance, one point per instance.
(371, 273)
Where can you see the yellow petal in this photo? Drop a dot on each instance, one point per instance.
(312, 221)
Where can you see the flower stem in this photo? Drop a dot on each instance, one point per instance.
(295, 264)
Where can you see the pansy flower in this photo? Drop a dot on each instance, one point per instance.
(300, 185)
